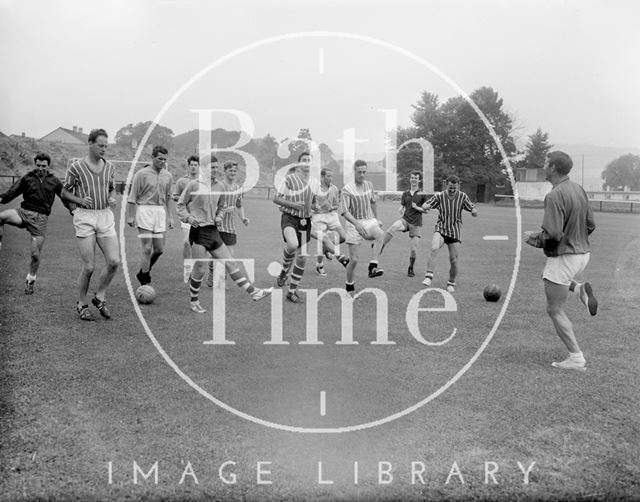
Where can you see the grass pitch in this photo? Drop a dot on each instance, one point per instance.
(84, 404)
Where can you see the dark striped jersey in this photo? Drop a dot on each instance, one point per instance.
(295, 189)
(230, 198)
(410, 214)
(83, 182)
(357, 200)
(450, 212)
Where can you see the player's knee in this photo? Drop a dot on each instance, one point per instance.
(88, 268)
(453, 260)
(147, 249)
(113, 263)
(553, 310)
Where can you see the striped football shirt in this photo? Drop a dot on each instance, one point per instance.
(326, 199)
(296, 189)
(357, 200)
(230, 198)
(83, 182)
(450, 212)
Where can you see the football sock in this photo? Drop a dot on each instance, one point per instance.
(296, 276)
(31, 278)
(287, 259)
(350, 286)
(211, 267)
(154, 259)
(194, 289)
(241, 280)
(573, 285)
(412, 260)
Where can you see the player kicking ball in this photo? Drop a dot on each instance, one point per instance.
(38, 188)
(450, 204)
(362, 223)
(411, 221)
(199, 206)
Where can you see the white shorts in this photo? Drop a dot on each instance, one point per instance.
(94, 221)
(564, 268)
(372, 227)
(325, 222)
(151, 218)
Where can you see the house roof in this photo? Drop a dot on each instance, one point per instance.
(78, 135)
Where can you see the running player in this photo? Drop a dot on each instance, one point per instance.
(230, 200)
(294, 198)
(148, 208)
(362, 223)
(325, 221)
(199, 206)
(193, 166)
(38, 188)
(92, 176)
(450, 204)
(566, 226)
(411, 220)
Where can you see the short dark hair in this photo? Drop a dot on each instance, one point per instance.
(452, 178)
(359, 163)
(93, 135)
(415, 172)
(561, 161)
(303, 154)
(213, 159)
(193, 158)
(158, 149)
(229, 164)
(324, 170)
(42, 156)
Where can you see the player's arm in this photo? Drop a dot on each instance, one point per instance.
(66, 196)
(132, 200)
(591, 222)
(243, 216)
(468, 206)
(168, 203)
(279, 199)
(69, 184)
(182, 207)
(111, 195)
(14, 191)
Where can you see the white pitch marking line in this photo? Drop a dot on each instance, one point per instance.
(496, 237)
(323, 403)
(321, 60)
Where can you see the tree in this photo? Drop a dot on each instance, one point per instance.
(536, 150)
(131, 135)
(622, 172)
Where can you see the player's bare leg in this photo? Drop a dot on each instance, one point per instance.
(87, 246)
(454, 249)
(413, 253)
(36, 247)
(10, 217)
(376, 246)
(109, 247)
(556, 295)
(436, 243)
(288, 254)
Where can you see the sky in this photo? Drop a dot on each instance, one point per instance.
(567, 67)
